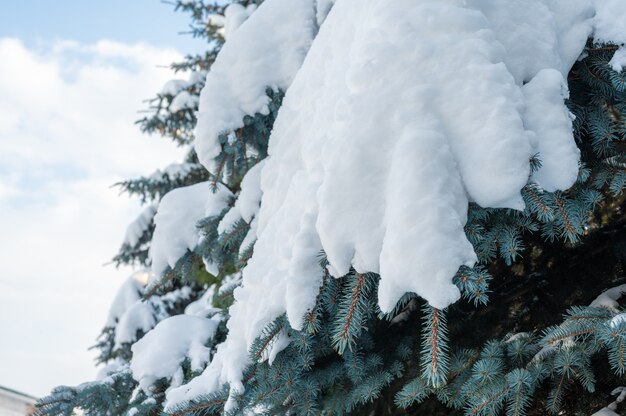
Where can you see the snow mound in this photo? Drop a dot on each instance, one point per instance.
(175, 221)
(265, 52)
(160, 353)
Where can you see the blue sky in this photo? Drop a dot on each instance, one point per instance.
(129, 21)
(73, 76)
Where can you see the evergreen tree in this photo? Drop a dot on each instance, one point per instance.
(534, 332)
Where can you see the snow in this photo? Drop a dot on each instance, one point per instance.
(134, 314)
(272, 42)
(399, 116)
(178, 295)
(279, 343)
(552, 123)
(618, 62)
(141, 316)
(323, 8)
(197, 77)
(610, 26)
(183, 100)
(250, 238)
(117, 365)
(248, 202)
(605, 412)
(160, 353)
(617, 320)
(516, 337)
(620, 392)
(526, 29)
(173, 87)
(608, 299)
(204, 305)
(229, 283)
(610, 21)
(574, 25)
(137, 228)
(127, 295)
(175, 221)
(173, 170)
(234, 16)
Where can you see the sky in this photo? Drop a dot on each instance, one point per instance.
(127, 21)
(73, 76)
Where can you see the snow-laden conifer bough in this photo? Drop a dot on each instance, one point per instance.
(396, 115)
(348, 153)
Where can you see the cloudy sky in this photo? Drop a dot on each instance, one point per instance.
(73, 75)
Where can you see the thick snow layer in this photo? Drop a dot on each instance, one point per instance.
(574, 24)
(323, 8)
(175, 221)
(610, 21)
(265, 52)
(160, 353)
(400, 115)
(137, 228)
(454, 125)
(551, 121)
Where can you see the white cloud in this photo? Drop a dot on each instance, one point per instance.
(67, 133)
